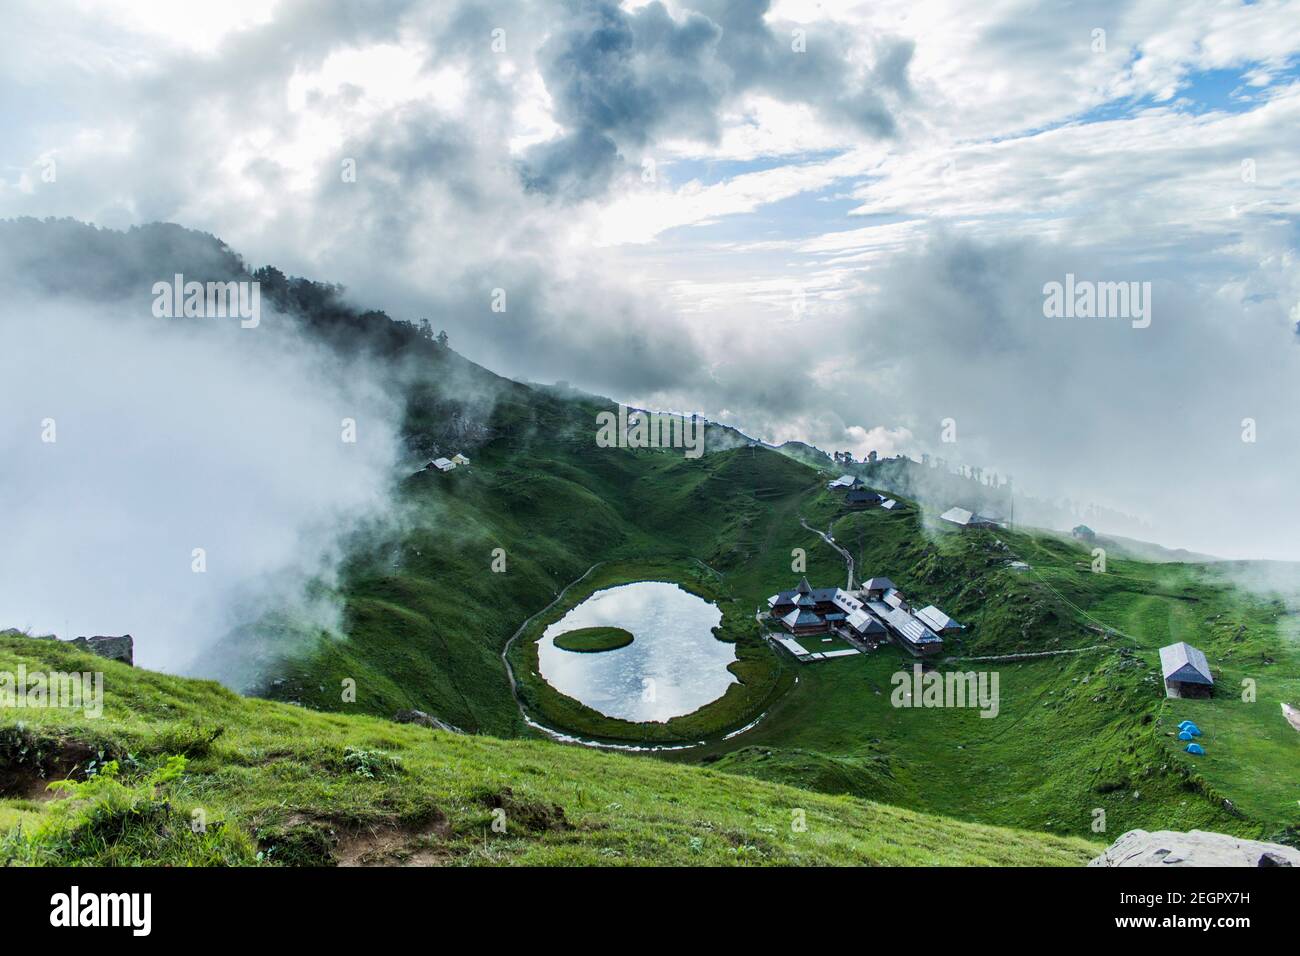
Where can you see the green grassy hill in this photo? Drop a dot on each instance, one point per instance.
(427, 620)
(483, 554)
(276, 784)
(1077, 732)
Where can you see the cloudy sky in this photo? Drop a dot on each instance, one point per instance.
(824, 221)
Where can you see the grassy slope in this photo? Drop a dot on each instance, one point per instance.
(281, 780)
(428, 620)
(1076, 732)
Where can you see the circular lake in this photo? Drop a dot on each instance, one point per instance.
(674, 666)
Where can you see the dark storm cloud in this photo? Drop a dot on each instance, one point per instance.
(761, 57)
(620, 80)
(578, 165)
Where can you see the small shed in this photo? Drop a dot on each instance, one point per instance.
(459, 459)
(442, 464)
(1186, 671)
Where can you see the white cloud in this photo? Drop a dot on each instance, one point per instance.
(238, 125)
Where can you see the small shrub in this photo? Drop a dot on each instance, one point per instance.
(372, 764)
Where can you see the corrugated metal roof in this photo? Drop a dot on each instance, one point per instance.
(793, 646)
(935, 618)
(877, 584)
(957, 516)
(800, 618)
(864, 623)
(910, 628)
(846, 600)
(1185, 663)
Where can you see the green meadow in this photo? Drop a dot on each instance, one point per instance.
(184, 772)
(308, 773)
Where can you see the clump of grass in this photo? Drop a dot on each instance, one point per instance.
(189, 740)
(297, 842)
(20, 747)
(106, 821)
(371, 764)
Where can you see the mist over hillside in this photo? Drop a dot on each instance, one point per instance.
(172, 435)
(177, 479)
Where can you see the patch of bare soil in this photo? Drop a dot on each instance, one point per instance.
(532, 816)
(30, 779)
(394, 845)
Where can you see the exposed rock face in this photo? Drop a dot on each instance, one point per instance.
(424, 720)
(1194, 848)
(114, 648)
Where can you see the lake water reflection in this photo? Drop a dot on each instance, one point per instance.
(674, 666)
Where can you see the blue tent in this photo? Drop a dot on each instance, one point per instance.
(1190, 727)
(1184, 735)
(1183, 725)
(1196, 750)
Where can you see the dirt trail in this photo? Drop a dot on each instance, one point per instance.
(848, 558)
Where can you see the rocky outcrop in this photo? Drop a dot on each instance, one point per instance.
(424, 720)
(1194, 848)
(114, 648)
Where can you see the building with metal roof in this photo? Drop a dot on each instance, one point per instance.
(875, 587)
(809, 610)
(861, 498)
(936, 620)
(864, 624)
(1186, 671)
(912, 635)
(968, 519)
